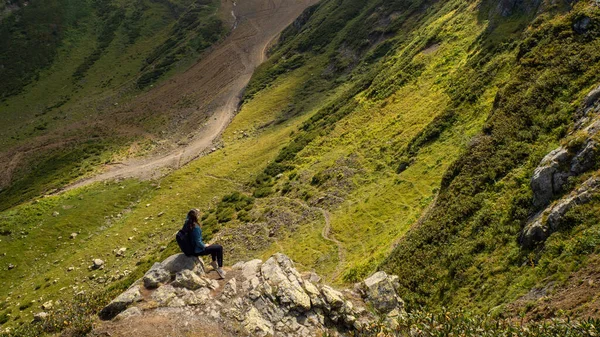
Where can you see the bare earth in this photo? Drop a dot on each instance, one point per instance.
(213, 87)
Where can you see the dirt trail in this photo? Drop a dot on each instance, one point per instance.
(214, 85)
(326, 234)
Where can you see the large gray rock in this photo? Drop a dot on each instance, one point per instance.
(551, 220)
(585, 159)
(332, 297)
(550, 177)
(97, 264)
(380, 291)
(251, 268)
(592, 98)
(121, 303)
(543, 181)
(314, 294)
(178, 262)
(156, 276)
(130, 312)
(589, 108)
(198, 297)
(279, 272)
(553, 172)
(230, 288)
(258, 299)
(189, 280)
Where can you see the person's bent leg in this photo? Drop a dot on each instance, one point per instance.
(220, 255)
(216, 251)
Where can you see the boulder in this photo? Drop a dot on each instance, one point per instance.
(581, 26)
(543, 183)
(178, 262)
(97, 264)
(251, 268)
(258, 299)
(585, 159)
(47, 305)
(589, 108)
(40, 316)
(230, 288)
(121, 252)
(592, 98)
(189, 280)
(121, 303)
(314, 294)
(198, 297)
(332, 297)
(130, 312)
(541, 226)
(156, 276)
(380, 291)
(279, 273)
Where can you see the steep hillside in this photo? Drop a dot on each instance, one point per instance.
(442, 112)
(450, 143)
(66, 67)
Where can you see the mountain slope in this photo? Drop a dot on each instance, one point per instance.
(76, 62)
(395, 135)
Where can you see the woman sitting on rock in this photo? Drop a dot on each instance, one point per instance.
(200, 249)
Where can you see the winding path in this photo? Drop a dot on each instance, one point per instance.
(215, 84)
(326, 234)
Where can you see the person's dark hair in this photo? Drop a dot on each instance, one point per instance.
(192, 219)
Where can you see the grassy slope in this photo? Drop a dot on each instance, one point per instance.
(57, 103)
(375, 206)
(466, 253)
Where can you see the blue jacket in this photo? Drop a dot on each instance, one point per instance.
(197, 239)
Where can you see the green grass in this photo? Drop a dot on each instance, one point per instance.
(36, 239)
(485, 197)
(93, 67)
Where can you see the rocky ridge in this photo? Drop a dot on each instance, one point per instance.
(256, 298)
(551, 178)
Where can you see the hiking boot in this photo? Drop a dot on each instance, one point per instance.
(221, 272)
(214, 265)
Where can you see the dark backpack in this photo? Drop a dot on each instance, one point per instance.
(184, 240)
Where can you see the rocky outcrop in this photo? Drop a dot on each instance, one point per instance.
(551, 175)
(550, 178)
(589, 109)
(380, 289)
(555, 169)
(551, 220)
(268, 298)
